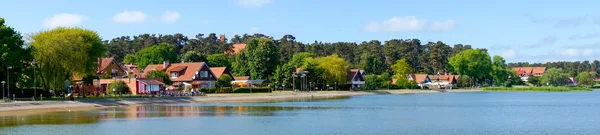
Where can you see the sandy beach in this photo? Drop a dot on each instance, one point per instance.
(20, 107)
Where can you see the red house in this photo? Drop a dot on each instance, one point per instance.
(194, 75)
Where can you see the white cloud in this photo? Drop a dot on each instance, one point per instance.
(170, 17)
(443, 25)
(64, 20)
(585, 36)
(571, 52)
(130, 17)
(587, 52)
(549, 40)
(509, 54)
(570, 22)
(396, 24)
(254, 30)
(252, 3)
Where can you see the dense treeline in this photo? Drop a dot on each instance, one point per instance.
(375, 57)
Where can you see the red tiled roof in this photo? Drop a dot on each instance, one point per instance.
(241, 78)
(530, 70)
(219, 71)
(352, 73)
(539, 70)
(178, 68)
(420, 78)
(187, 75)
(103, 63)
(237, 48)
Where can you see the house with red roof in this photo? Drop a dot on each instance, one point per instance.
(420, 79)
(110, 67)
(443, 81)
(355, 78)
(526, 72)
(220, 71)
(188, 75)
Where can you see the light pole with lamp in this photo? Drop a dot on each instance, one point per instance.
(3, 89)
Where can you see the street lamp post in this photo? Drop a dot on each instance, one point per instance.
(335, 86)
(3, 89)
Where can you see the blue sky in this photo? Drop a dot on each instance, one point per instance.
(532, 30)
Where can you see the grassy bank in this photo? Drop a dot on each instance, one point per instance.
(544, 89)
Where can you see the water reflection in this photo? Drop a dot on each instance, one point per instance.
(131, 113)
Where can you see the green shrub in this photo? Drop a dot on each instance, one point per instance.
(119, 86)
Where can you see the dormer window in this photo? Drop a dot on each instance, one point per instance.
(173, 74)
(203, 74)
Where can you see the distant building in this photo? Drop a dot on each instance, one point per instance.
(445, 81)
(194, 75)
(526, 72)
(421, 79)
(355, 79)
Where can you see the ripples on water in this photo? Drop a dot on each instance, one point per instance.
(448, 113)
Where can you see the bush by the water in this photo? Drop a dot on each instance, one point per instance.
(557, 89)
(253, 90)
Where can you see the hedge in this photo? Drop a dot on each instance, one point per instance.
(254, 90)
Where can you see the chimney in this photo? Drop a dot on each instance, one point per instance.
(222, 38)
(165, 64)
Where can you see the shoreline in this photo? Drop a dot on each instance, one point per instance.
(25, 107)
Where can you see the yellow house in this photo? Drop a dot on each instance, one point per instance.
(109, 68)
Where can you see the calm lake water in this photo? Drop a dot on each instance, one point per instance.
(445, 113)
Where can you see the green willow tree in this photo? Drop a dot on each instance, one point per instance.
(62, 52)
(401, 69)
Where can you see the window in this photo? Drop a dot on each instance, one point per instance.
(173, 74)
(203, 74)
